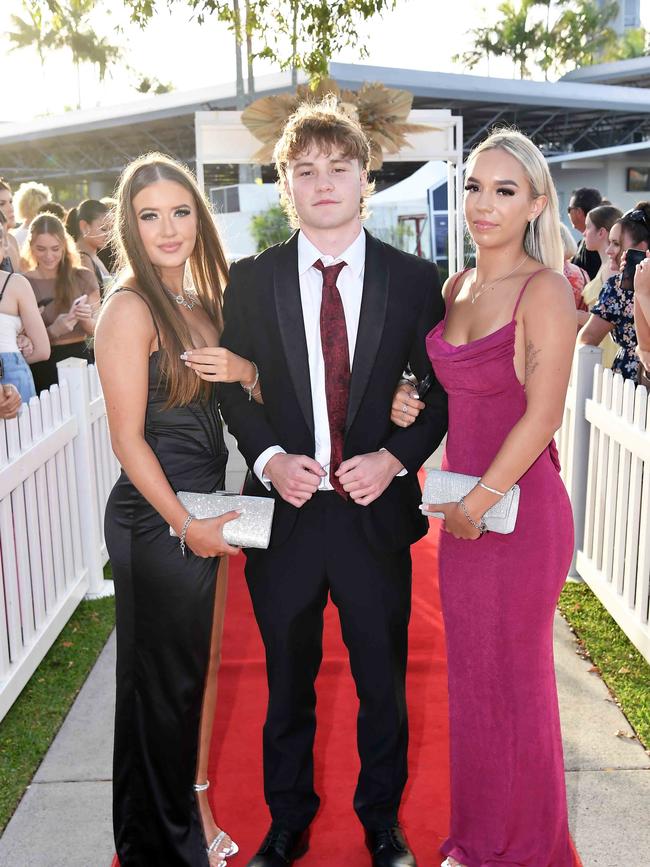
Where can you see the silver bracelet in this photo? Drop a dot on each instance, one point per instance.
(187, 523)
(491, 490)
(251, 388)
(481, 527)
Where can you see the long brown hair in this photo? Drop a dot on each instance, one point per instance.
(67, 284)
(208, 267)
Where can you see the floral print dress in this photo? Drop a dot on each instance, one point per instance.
(616, 305)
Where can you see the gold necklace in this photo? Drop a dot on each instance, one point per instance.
(483, 288)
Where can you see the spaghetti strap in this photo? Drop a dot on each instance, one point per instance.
(4, 285)
(140, 295)
(523, 289)
(452, 293)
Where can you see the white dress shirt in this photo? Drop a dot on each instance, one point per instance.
(350, 286)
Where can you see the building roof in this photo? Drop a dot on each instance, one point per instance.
(597, 153)
(96, 143)
(634, 72)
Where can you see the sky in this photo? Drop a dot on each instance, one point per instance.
(175, 49)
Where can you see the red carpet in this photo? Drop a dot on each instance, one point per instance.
(236, 762)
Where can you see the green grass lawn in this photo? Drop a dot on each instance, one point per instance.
(32, 723)
(29, 728)
(624, 670)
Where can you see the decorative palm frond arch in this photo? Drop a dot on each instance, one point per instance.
(397, 133)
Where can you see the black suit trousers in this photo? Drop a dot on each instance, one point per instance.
(328, 554)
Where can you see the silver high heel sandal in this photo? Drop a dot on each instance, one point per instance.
(223, 846)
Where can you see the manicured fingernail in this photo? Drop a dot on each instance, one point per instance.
(183, 356)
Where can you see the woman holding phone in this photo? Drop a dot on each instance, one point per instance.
(614, 311)
(67, 295)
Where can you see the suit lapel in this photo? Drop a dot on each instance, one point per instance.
(286, 287)
(371, 323)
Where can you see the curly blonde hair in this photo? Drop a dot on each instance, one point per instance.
(327, 126)
(29, 197)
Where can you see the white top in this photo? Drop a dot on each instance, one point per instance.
(20, 234)
(350, 286)
(10, 327)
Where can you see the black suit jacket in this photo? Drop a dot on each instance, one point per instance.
(263, 322)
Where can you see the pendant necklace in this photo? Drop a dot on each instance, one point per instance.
(182, 301)
(483, 288)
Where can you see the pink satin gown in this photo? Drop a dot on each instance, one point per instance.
(508, 799)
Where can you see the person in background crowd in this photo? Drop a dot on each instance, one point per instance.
(602, 235)
(6, 263)
(7, 210)
(89, 225)
(53, 208)
(577, 277)
(19, 312)
(28, 199)
(108, 254)
(642, 318)
(614, 310)
(581, 202)
(66, 293)
(10, 402)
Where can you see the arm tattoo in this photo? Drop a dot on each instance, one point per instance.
(531, 358)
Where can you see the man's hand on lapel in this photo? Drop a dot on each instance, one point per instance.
(366, 477)
(295, 477)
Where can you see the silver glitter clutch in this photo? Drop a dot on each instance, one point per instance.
(442, 486)
(252, 529)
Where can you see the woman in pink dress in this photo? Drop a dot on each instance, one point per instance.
(503, 353)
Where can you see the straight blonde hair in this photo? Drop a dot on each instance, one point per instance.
(542, 239)
(208, 267)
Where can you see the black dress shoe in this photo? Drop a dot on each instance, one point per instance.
(389, 848)
(281, 847)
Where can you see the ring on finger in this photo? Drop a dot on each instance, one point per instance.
(404, 408)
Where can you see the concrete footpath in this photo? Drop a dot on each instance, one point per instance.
(64, 819)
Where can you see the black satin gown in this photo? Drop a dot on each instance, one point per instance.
(164, 607)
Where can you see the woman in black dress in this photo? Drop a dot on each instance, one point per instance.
(166, 432)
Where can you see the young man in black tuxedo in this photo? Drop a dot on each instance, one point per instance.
(332, 318)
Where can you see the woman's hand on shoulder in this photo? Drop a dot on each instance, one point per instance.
(204, 536)
(216, 364)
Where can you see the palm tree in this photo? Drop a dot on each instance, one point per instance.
(33, 31)
(582, 35)
(73, 31)
(486, 45)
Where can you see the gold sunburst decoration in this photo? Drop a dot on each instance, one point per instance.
(382, 112)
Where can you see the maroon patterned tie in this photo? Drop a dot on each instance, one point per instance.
(334, 339)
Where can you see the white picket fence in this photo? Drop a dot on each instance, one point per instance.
(56, 471)
(604, 446)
